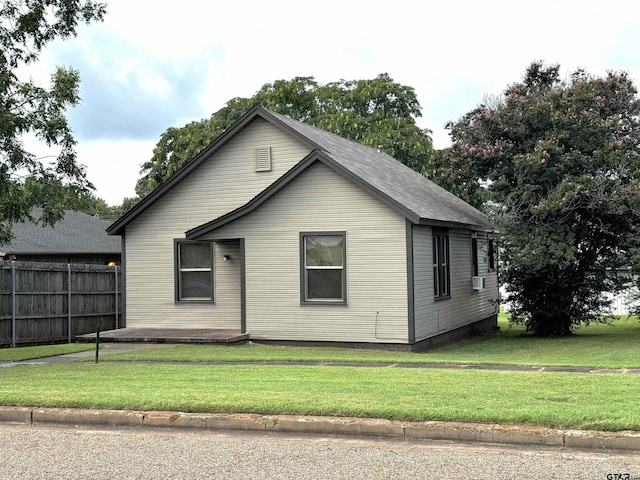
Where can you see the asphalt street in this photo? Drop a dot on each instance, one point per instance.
(43, 452)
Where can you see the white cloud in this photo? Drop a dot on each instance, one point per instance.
(115, 166)
(155, 65)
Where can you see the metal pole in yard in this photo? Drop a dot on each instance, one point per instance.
(116, 269)
(69, 300)
(97, 341)
(13, 304)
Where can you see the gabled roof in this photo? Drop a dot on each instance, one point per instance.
(422, 200)
(408, 192)
(76, 233)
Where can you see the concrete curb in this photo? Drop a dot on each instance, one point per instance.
(344, 426)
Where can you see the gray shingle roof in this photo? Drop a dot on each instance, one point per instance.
(77, 232)
(395, 180)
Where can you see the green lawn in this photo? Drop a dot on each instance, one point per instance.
(616, 345)
(28, 353)
(570, 400)
(602, 401)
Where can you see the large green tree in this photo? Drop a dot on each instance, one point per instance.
(376, 112)
(562, 163)
(42, 192)
(450, 171)
(26, 27)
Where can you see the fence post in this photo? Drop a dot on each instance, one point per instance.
(116, 269)
(13, 304)
(69, 300)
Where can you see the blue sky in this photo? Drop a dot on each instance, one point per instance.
(153, 65)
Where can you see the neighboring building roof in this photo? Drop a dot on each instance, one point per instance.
(76, 233)
(410, 193)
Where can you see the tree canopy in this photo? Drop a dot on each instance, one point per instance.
(376, 112)
(26, 27)
(51, 191)
(562, 163)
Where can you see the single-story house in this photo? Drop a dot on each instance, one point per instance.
(290, 233)
(76, 238)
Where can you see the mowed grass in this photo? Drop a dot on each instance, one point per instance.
(613, 345)
(28, 353)
(602, 401)
(562, 400)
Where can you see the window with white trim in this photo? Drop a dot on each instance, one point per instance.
(441, 283)
(323, 267)
(194, 271)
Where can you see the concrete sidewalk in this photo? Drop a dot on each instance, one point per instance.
(340, 426)
(72, 357)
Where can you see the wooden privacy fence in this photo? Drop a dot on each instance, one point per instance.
(54, 302)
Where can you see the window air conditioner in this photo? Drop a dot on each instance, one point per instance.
(477, 283)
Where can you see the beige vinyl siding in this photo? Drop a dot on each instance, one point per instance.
(321, 200)
(223, 183)
(465, 306)
(422, 281)
(227, 280)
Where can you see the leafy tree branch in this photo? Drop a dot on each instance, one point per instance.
(26, 27)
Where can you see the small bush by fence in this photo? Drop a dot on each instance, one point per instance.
(53, 302)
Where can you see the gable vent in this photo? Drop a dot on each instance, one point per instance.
(263, 159)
